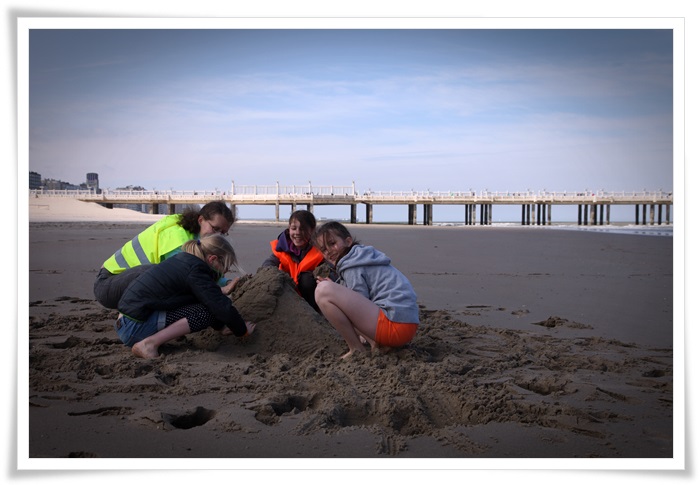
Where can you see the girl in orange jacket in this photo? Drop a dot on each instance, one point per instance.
(293, 253)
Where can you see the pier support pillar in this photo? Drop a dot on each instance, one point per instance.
(368, 213)
(644, 214)
(470, 214)
(294, 206)
(549, 214)
(353, 213)
(154, 208)
(411, 214)
(579, 215)
(277, 212)
(607, 214)
(532, 214)
(651, 214)
(523, 210)
(428, 214)
(668, 213)
(171, 209)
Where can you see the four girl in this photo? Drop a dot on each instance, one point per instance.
(371, 302)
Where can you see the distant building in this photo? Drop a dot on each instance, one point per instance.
(52, 184)
(93, 181)
(34, 180)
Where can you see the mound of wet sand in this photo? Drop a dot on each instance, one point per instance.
(584, 394)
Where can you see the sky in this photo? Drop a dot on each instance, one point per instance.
(388, 109)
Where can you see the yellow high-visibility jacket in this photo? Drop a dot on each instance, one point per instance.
(150, 246)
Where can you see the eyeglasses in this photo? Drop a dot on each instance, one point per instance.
(217, 229)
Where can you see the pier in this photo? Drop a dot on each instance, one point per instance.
(594, 208)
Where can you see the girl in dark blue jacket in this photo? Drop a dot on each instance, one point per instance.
(180, 296)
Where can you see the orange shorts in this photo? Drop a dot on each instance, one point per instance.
(393, 334)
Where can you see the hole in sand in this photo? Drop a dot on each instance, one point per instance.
(191, 419)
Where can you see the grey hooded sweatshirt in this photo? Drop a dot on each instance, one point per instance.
(369, 272)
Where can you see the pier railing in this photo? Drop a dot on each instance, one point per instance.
(534, 203)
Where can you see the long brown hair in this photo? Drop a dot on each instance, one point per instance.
(189, 219)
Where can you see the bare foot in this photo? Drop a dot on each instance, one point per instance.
(226, 331)
(350, 352)
(145, 351)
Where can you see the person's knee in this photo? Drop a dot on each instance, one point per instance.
(323, 290)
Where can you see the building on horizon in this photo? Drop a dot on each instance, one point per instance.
(93, 182)
(34, 180)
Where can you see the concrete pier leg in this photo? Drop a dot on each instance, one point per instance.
(368, 213)
(579, 215)
(549, 214)
(651, 214)
(473, 216)
(411, 214)
(532, 213)
(467, 214)
(660, 211)
(522, 215)
(607, 214)
(294, 206)
(353, 213)
(427, 214)
(585, 214)
(644, 214)
(171, 209)
(636, 214)
(277, 212)
(490, 209)
(668, 213)
(154, 208)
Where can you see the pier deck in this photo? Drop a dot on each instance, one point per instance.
(593, 207)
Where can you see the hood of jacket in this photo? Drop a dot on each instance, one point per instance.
(360, 255)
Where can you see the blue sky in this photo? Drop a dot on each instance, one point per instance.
(393, 109)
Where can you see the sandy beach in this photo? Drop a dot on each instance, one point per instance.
(534, 343)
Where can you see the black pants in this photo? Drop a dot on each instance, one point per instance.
(307, 288)
(108, 287)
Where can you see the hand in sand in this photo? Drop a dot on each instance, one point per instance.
(230, 286)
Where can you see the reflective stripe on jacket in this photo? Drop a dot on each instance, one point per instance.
(309, 262)
(150, 245)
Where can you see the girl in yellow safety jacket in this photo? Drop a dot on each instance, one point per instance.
(155, 244)
(293, 253)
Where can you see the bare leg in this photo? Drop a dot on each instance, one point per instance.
(350, 313)
(148, 347)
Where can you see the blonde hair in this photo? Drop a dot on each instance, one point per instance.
(215, 244)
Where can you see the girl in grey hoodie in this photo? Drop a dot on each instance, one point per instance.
(372, 301)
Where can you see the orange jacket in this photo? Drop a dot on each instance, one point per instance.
(311, 259)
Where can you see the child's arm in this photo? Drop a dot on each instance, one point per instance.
(209, 294)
